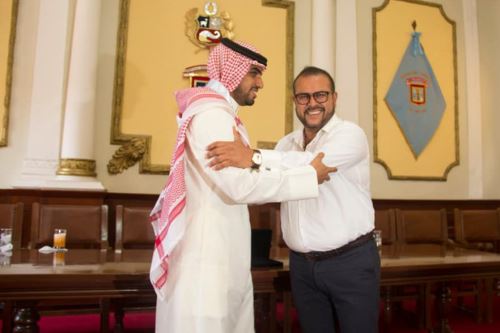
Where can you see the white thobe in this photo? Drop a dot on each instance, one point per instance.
(209, 285)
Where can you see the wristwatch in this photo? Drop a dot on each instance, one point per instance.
(256, 159)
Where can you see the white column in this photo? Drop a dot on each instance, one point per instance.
(346, 60)
(45, 119)
(322, 35)
(473, 100)
(77, 152)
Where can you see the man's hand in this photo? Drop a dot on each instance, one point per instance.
(322, 171)
(223, 154)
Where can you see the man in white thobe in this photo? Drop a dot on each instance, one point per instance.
(201, 264)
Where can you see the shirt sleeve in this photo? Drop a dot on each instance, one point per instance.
(285, 159)
(346, 147)
(342, 149)
(245, 185)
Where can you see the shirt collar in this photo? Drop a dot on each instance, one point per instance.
(219, 88)
(298, 136)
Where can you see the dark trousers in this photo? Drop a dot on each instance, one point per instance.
(343, 288)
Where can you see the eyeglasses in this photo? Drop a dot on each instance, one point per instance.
(319, 97)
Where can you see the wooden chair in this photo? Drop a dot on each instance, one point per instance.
(267, 216)
(385, 221)
(86, 225)
(87, 228)
(11, 216)
(421, 227)
(479, 229)
(133, 231)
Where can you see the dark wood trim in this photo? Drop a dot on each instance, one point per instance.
(262, 216)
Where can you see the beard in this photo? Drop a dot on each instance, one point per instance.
(315, 125)
(244, 98)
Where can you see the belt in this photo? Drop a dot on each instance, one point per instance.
(322, 255)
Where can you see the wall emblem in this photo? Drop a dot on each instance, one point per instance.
(209, 28)
(417, 86)
(197, 75)
(415, 97)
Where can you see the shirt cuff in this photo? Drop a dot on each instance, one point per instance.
(271, 158)
(304, 183)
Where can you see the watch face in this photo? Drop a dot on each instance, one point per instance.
(256, 159)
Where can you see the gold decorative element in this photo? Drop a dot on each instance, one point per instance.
(4, 114)
(117, 137)
(377, 159)
(266, 144)
(76, 167)
(197, 75)
(290, 19)
(205, 31)
(127, 155)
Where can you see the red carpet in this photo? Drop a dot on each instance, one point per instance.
(143, 322)
(136, 322)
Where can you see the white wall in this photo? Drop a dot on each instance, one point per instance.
(130, 181)
(11, 157)
(489, 44)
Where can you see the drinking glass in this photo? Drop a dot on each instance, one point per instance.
(5, 236)
(59, 258)
(59, 238)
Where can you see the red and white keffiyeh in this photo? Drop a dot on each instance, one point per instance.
(228, 66)
(168, 215)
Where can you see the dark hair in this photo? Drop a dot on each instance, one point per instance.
(310, 71)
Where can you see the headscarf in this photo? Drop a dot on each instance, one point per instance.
(230, 61)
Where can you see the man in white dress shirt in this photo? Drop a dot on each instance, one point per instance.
(201, 263)
(334, 262)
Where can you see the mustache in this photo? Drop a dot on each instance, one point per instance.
(314, 108)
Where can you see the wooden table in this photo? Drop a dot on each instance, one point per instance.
(434, 266)
(31, 277)
(438, 267)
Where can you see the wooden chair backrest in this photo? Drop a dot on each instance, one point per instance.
(427, 226)
(480, 228)
(133, 229)
(11, 216)
(86, 225)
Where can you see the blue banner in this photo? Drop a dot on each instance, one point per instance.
(415, 98)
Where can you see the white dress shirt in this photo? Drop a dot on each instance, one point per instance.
(344, 210)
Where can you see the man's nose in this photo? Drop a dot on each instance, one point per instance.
(312, 101)
(259, 82)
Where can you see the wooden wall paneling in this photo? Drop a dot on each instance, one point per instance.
(261, 216)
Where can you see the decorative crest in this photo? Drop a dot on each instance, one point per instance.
(127, 155)
(208, 29)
